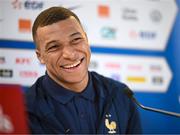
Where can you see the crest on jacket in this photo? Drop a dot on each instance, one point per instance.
(111, 125)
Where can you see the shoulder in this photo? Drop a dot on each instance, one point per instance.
(33, 94)
(33, 90)
(116, 90)
(110, 87)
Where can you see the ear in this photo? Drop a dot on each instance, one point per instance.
(39, 56)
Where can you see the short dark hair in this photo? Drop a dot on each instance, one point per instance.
(50, 16)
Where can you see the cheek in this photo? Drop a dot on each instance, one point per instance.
(51, 59)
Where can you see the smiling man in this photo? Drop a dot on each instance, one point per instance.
(63, 48)
(69, 98)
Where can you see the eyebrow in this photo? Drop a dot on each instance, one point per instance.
(76, 33)
(51, 42)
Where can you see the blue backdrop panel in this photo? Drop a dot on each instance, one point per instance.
(158, 123)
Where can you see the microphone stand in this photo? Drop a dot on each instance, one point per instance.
(129, 93)
(156, 110)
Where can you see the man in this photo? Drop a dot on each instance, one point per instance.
(68, 98)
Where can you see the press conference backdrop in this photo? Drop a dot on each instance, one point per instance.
(132, 41)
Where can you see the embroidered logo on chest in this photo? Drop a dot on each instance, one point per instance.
(111, 125)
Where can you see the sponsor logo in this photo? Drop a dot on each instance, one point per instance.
(155, 16)
(112, 65)
(108, 32)
(2, 60)
(28, 4)
(133, 34)
(93, 65)
(115, 77)
(129, 14)
(147, 35)
(7, 73)
(136, 79)
(22, 61)
(157, 80)
(16, 4)
(28, 74)
(155, 68)
(103, 11)
(24, 25)
(135, 67)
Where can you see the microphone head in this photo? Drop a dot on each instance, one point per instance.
(128, 92)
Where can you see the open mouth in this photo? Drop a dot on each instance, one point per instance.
(74, 65)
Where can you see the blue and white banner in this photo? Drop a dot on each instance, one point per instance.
(133, 41)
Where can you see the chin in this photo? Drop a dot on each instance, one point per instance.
(76, 79)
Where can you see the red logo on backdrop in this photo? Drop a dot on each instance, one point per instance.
(103, 11)
(28, 74)
(16, 4)
(24, 25)
(135, 67)
(113, 65)
(133, 34)
(23, 61)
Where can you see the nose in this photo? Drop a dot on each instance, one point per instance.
(69, 52)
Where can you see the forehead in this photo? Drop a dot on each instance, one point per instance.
(62, 28)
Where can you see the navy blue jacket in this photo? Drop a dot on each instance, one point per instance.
(116, 112)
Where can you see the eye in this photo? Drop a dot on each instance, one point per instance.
(76, 40)
(52, 47)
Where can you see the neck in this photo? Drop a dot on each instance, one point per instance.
(74, 86)
(78, 86)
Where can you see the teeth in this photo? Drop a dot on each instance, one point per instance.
(72, 65)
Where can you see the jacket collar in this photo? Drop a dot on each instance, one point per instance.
(64, 95)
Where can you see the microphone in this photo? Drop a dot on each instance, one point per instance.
(130, 94)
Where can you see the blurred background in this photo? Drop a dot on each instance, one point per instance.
(136, 42)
